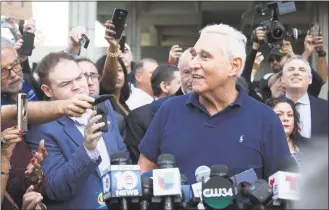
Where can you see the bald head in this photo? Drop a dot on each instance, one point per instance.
(184, 65)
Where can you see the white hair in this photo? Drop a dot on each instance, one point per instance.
(181, 58)
(236, 43)
(301, 58)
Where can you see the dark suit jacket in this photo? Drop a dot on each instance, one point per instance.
(138, 122)
(319, 116)
(121, 124)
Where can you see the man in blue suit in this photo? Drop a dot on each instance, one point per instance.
(78, 154)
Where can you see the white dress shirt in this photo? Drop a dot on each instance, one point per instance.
(304, 111)
(101, 149)
(138, 98)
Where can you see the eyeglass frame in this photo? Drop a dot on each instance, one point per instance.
(13, 65)
(93, 76)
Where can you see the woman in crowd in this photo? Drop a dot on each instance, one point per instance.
(121, 90)
(286, 111)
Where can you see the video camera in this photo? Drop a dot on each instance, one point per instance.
(275, 31)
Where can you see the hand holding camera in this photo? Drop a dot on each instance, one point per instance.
(174, 54)
(287, 48)
(77, 39)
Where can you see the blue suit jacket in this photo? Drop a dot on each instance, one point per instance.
(74, 181)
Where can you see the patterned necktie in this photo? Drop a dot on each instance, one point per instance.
(297, 105)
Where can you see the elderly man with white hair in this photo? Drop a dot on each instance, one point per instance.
(297, 77)
(218, 123)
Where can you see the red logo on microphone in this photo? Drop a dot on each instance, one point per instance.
(293, 181)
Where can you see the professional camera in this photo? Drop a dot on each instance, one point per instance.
(275, 31)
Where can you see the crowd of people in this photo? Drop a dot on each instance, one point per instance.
(202, 105)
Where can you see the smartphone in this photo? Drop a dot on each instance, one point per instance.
(28, 41)
(100, 110)
(314, 31)
(101, 99)
(84, 41)
(22, 112)
(122, 43)
(119, 20)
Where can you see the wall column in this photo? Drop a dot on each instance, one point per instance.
(133, 32)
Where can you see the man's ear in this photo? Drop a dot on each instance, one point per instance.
(164, 87)
(237, 64)
(138, 77)
(47, 90)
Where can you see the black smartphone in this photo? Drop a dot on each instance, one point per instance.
(84, 41)
(122, 43)
(28, 41)
(119, 20)
(22, 112)
(101, 99)
(100, 110)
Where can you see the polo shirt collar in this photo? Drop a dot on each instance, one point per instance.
(194, 98)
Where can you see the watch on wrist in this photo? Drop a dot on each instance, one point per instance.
(321, 53)
(35, 177)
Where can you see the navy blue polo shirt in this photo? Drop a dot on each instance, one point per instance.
(246, 134)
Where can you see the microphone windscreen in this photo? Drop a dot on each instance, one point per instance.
(166, 161)
(202, 173)
(218, 170)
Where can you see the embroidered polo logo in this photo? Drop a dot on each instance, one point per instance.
(241, 139)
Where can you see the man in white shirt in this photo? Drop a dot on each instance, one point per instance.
(313, 112)
(142, 94)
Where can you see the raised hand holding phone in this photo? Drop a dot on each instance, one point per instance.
(91, 133)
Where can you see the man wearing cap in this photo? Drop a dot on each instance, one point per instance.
(276, 59)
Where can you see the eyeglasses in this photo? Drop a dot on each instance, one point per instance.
(93, 76)
(16, 67)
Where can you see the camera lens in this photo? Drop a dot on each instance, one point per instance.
(277, 33)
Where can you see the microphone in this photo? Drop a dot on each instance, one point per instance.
(202, 175)
(259, 194)
(218, 191)
(219, 170)
(125, 182)
(167, 180)
(248, 176)
(284, 185)
(147, 193)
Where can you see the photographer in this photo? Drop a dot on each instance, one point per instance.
(277, 59)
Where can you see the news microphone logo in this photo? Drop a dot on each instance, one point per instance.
(106, 186)
(166, 182)
(217, 192)
(126, 181)
(284, 185)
